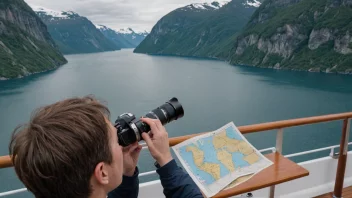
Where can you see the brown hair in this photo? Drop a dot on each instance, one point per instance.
(55, 154)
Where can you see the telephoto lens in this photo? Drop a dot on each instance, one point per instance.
(171, 110)
(129, 130)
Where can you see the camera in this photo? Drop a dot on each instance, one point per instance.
(130, 129)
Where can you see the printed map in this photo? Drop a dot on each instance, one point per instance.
(217, 159)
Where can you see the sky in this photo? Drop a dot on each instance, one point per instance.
(140, 15)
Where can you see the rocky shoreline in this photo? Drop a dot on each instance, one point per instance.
(29, 74)
(310, 70)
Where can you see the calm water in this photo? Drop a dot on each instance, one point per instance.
(213, 93)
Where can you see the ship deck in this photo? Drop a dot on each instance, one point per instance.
(346, 193)
(284, 178)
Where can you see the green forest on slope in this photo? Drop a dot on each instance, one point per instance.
(20, 52)
(306, 16)
(193, 32)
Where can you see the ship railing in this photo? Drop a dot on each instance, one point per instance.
(5, 161)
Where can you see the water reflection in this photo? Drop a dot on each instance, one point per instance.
(16, 86)
(319, 81)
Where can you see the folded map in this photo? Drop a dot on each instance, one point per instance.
(217, 159)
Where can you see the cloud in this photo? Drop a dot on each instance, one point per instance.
(137, 14)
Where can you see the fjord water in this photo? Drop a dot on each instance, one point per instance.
(212, 92)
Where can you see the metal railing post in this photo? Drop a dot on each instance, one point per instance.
(341, 166)
(279, 142)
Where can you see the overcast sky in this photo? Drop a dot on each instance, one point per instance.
(137, 14)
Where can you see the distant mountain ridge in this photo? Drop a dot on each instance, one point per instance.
(198, 29)
(26, 47)
(131, 31)
(124, 38)
(73, 33)
(303, 35)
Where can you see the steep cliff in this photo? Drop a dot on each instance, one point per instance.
(299, 35)
(25, 44)
(73, 33)
(200, 30)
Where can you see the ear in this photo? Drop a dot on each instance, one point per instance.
(101, 174)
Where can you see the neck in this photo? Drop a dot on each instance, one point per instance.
(98, 193)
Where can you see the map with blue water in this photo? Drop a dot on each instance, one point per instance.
(216, 159)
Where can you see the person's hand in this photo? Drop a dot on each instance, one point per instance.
(130, 158)
(157, 141)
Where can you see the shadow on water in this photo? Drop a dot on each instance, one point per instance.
(319, 81)
(15, 86)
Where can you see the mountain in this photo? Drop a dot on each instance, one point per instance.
(309, 35)
(198, 29)
(125, 38)
(26, 47)
(73, 33)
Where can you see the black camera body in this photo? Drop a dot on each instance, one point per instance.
(130, 129)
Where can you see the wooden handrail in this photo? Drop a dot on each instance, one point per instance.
(6, 162)
(275, 125)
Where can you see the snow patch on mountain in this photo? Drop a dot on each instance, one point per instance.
(53, 13)
(141, 32)
(222, 3)
(216, 5)
(131, 31)
(101, 27)
(122, 30)
(123, 37)
(125, 31)
(206, 6)
(199, 6)
(253, 3)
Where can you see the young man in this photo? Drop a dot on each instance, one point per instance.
(70, 150)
